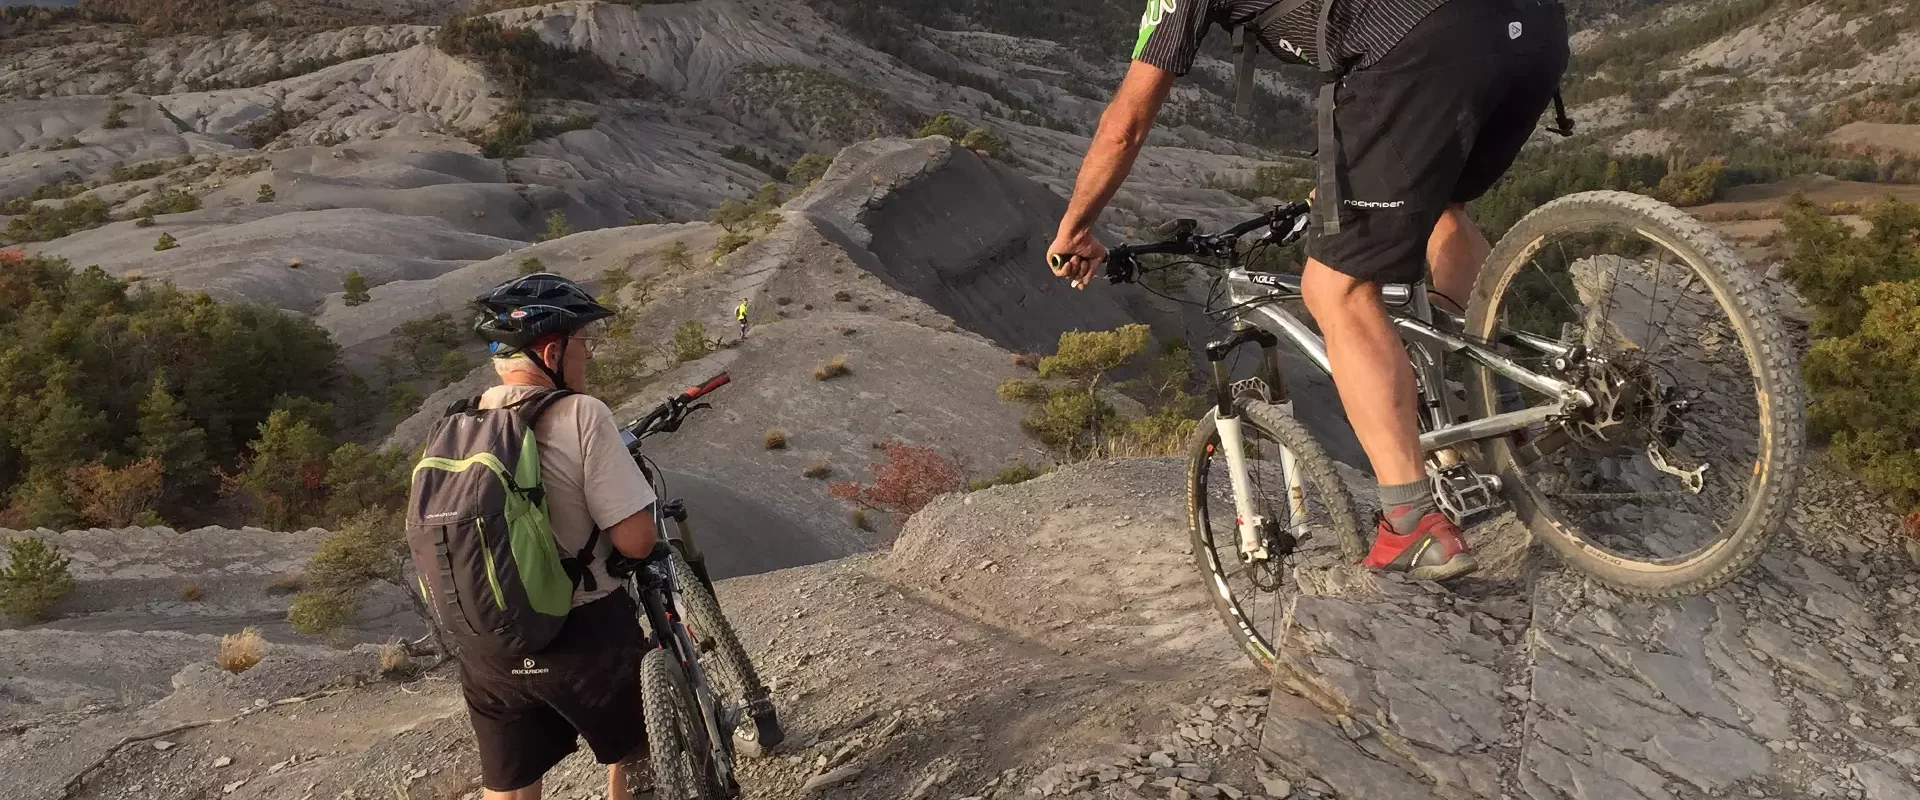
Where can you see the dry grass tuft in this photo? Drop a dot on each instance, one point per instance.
(240, 651)
(818, 469)
(287, 583)
(843, 296)
(776, 439)
(832, 369)
(860, 520)
(190, 593)
(1028, 360)
(394, 660)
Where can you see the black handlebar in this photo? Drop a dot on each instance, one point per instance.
(1123, 265)
(666, 417)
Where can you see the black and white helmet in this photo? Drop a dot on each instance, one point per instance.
(517, 313)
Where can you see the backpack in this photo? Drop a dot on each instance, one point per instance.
(485, 559)
(1246, 43)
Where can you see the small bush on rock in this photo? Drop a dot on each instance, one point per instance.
(832, 369)
(35, 576)
(239, 652)
(1016, 472)
(775, 439)
(190, 593)
(905, 479)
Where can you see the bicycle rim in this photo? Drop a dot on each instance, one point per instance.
(1254, 599)
(1672, 482)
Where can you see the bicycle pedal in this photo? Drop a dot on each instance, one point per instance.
(1463, 493)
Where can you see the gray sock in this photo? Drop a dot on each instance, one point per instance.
(1404, 504)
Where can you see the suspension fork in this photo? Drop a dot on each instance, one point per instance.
(1227, 420)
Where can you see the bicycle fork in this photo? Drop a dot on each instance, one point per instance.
(1270, 387)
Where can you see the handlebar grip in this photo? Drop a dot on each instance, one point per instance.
(712, 383)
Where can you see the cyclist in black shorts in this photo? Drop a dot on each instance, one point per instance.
(1429, 103)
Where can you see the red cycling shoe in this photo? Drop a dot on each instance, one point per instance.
(1435, 551)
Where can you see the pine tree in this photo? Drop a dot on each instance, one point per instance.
(356, 288)
(35, 576)
(66, 434)
(557, 226)
(165, 242)
(287, 469)
(166, 434)
(265, 195)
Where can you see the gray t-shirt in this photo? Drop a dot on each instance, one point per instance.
(590, 479)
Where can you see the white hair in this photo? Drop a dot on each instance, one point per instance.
(518, 362)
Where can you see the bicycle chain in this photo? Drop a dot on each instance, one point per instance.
(1617, 495)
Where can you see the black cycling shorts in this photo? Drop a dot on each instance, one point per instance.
(526, 711)
(1436, 121)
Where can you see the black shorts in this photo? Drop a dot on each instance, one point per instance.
(527, 710)
(1436, 121)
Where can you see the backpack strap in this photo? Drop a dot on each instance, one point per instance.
(577, 566)
(1562, 124)
(1328, 199)
(1248, 43)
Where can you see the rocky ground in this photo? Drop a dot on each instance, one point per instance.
(1052, 639)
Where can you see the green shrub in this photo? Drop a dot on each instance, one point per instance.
(753, 158)
(549, 127)
(35, 576)
(943, 124)
(729, 242)
(114, 120)
(100, 371)
(170, 201)
(1068, 414)
(1016, 472)
(557, 227)
(531, 265)
(165, 242)
(355, 287)
(676, 257)
(369, 547)
(144, 222)
(690, 341)
(980, 141)
(41, 223)
(284, 471)
(361, 478)
(1832, 267)
(809, 168)
(265, 195)
(1866, 391)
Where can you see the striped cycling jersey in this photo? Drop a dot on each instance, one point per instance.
(1359, 31)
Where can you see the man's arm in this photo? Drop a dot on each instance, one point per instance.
(634, 536)
(1116, 143)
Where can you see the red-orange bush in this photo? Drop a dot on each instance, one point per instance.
(115, 498)
(905, 479)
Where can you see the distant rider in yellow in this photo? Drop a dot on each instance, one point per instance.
(741, 314)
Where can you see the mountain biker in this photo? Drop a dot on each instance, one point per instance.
(741, 314)
(527, 711)
(1426, 103)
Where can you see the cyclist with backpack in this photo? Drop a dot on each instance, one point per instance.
(522, 496)
(1424, 104)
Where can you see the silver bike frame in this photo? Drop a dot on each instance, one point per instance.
(1427, 346)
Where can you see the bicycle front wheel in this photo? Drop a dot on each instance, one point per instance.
(677, 739)
(1674, 479)
(735, 683)
(1302, 510)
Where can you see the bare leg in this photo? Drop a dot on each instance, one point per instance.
(524, 793)
(1370, 369)
(1455, 252)
(617, 774)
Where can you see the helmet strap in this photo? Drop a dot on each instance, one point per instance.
(554, 372)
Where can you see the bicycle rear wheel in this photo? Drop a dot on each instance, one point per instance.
(735, 683)
(677, 740)
(1674, 480)
(1250, 596)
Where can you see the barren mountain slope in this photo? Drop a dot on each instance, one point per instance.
(1052, 639)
